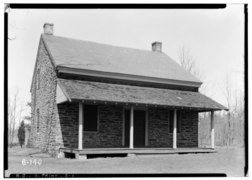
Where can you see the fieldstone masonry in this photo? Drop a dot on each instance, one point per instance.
(159, 135)
(158, 132)
(110, 127)
(109, 132)
(44, 100)
(188, 136)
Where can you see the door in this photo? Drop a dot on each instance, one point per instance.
(127, 127)
(139, 128)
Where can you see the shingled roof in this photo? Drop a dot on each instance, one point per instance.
(79, 54)
(105, 92)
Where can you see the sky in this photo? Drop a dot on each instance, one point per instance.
(214, 38)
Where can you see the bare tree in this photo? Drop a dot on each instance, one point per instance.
(235, 116)
(230, 125)
(187, 61)
(12, 111)
(228, 91)
(15, 112)
(10, 119)
(14, 116)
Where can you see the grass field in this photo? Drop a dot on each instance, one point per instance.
(227, 160)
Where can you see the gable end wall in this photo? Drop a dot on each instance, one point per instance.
(44, 99)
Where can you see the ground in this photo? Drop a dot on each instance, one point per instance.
(227, 160)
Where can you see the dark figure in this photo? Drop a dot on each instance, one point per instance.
(21, 134)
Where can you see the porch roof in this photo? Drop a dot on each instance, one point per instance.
(116, 93)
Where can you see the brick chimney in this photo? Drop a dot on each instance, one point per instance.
(48, 28)
(157, 46)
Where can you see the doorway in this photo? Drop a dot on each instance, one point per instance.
(139, 128)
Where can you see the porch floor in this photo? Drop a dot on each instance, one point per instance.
(136, 151)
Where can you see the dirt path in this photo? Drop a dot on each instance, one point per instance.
(229, 161)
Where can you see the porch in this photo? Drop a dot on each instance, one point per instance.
(87, 152)
(122, 119)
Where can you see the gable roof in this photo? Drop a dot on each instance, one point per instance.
(85, 55)
(115, 93)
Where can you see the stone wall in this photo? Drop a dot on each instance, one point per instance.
(158, 131)
(44, 100)
(69, 123)
(188, 136)
(109, 132)
(159, 135)
(110, 126)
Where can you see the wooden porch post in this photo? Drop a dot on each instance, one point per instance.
(146, 127)
(131, 127)
(174, 146)
(123, 127)
(80, 125)
(212, 129)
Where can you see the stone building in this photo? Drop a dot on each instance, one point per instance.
(91, 95)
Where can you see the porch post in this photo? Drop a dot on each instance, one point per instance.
(131, 127)
(212, 129)
(80, 125)
(146, 127)
(123, 127)
(174, 146)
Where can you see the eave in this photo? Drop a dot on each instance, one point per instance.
(120, 76)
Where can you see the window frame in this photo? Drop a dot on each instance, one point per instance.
(97, 119)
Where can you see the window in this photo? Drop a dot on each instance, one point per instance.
(90, 117)
(38, 79)
(37, 120)
(171, 115)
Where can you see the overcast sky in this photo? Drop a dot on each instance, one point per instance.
(215, 39)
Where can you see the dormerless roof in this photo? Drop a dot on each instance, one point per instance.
(105, 92)
(80, 54)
